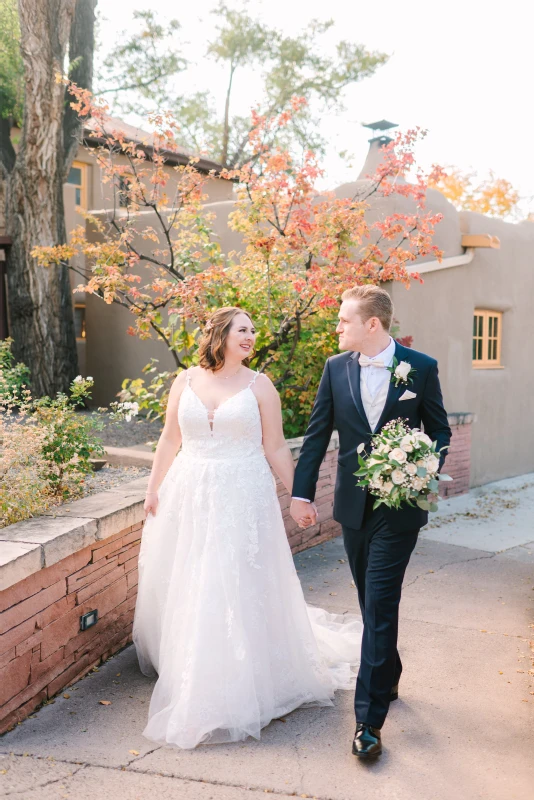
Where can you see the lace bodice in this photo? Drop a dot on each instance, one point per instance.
(232, 431)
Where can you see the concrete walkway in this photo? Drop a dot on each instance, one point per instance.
(463, 727)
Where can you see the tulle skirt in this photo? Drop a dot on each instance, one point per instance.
(221, 616)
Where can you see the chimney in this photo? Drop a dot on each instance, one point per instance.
(379, 140)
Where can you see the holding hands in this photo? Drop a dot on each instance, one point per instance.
(304, 514)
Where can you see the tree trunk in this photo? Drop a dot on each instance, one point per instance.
(40, 300)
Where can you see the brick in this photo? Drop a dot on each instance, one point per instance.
(66, 628)
(99, 549)
(14, 677)
(131, 564)
(47, 665)
(130, 553)
(30, 691)
(16, 635)
(55, 611)
(21, 713)
(130, 538)
(7, 657)
(30, 643)
(96, 587)
(132, 578)
(43, 578)
(90, 573)
(132, 592)
(28, 608)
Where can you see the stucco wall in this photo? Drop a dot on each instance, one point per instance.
(439, 315)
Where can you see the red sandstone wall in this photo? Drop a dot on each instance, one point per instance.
(458, 463)
(41, 647)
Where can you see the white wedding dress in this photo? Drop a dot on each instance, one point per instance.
(220, 616)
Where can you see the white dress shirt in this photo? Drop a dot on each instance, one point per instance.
(375, 377)
(374, 387)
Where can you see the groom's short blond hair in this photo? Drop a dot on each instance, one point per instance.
(374, 302)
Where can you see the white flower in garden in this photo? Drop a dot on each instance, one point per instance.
(402, 370)
(397, 476)
(388, 487)
(410, 468)
(78, 379)
(397, 455)
(417, 484)
(432, 463)
(89, 378)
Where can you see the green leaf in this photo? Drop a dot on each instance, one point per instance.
(433, 507)
(421, 471)
(423, 504)
(433, 485)
(443, 477)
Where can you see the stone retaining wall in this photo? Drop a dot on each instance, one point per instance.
(82, 556)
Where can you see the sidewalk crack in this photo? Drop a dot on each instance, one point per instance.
(448, 564)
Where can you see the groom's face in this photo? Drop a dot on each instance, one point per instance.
(352, 332)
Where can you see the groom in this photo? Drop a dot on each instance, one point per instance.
(357, 396)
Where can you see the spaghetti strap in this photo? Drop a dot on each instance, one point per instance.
(253, 381)
(188, 377)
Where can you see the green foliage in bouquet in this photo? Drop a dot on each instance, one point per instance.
(402, 467)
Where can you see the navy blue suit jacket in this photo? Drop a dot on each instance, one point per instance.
(338, 405)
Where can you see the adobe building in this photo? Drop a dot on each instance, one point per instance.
(472, 312)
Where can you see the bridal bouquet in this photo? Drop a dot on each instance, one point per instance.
(401, 468)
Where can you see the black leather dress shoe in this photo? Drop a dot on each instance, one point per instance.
(394, 693)
(367, 742)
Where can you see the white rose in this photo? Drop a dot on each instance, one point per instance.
(397, 455)
(417, 484)
(388, 487)
(407, 443)
(432, 463)
(411, 469)
(402, 370)
(397, 476)
(422, 437)
(383, 448)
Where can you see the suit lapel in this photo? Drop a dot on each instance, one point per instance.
(353, 376)
(394, 392)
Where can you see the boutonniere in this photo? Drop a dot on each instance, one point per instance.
(401, 373)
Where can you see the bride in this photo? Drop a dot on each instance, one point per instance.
(220, 616)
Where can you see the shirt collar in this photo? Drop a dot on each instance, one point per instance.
(386, 356)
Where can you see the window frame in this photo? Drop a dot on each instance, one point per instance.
(82, 166)
(81, 338)
(485, 362)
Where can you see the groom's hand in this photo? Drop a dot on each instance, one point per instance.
(304, 514)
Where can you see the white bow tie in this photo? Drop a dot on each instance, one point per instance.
(364, 361)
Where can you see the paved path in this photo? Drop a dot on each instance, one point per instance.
(463, 727)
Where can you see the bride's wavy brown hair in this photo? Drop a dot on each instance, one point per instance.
(213, 341)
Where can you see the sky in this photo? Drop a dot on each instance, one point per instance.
(462, 70)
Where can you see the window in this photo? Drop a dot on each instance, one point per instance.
(487, 336)
(77, 177)
(79, 322)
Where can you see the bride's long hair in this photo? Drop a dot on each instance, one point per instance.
(213, 342)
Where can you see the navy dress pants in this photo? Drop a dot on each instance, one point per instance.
(378, 558)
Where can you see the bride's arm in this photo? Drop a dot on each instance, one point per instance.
(168, 445)
(275, 446)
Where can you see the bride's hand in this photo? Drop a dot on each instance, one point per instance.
(151, 503)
